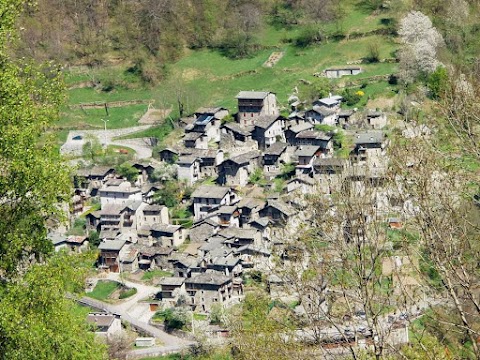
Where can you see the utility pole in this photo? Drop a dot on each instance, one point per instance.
(105, 132)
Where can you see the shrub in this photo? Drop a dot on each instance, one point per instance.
(309, 35)
(126, 293)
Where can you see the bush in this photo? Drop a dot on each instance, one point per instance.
(308, 36)
(127, 171)
(126, 293)
(174, 318)
(351, 97)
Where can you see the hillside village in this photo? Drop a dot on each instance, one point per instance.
(251, 176)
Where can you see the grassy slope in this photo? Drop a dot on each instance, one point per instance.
(205, 77)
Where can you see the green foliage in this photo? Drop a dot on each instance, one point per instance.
(174, 318)
(257, 177)
(94, 238)
(437, 82)
(78, 227)
(127, 171)
(103, 290)
(149, 275)
(170, 194)
(126, 293)
(373, 55)
(350, 96)
(55, 330)
(309, 35)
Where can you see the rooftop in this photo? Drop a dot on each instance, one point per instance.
(211, 278)
(211, 192)
(276, 148)
(265, 121)
(246, 157)
(307, 150)
(245, 131)
(256, 95)
(114, 245)
(369, 137)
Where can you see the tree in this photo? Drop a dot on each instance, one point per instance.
(36, 320)
(421, 41)
(127, 171)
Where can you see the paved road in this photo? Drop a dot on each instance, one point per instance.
(74, 147)
(138, 315)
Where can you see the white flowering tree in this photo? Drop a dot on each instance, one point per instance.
(421, 41)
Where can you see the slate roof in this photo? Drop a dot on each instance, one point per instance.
(114, 245)
(265, 121)
(239, 233)
(245, 131)
(210, 192)
(101, 320)
(186, 160)
(250, 203)
(192, 136)
(276, 148)
(307, 150)
(313, 134)
(256, 95)
(109, 234)
(322, 110)
(166, 228)
(329, 162)
(209, 110)
(210, 278)
(301, 127)
(227, 210)
(282, 207)
(369, 137)
(153, 207)
(201, 232)
(245, 158)
(171, 281)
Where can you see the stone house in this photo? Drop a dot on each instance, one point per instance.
(292, 132)
(237, 170)
(249, 208)
(253, 104)
(153, 257)
(274, 157)
(119, 194)
(306, 156)
(150, 214)
(239, 134)
(277, 212)
(105, 325)
(321, 115)
(370, 148)
(72, 243)
(168, 235)
(334, 73)
(268, 130)
(207, 289)
(305, 185)
(169, 155)
(253, 257)
(110, 251)
(376, 119)
(208, 121)
(170, 289)
(209, 160)
(195, 140)
(316, 138)
(129, 259)
(228, 216)
(329, 173)
(188, 169)
(208, 198)
(345, 118)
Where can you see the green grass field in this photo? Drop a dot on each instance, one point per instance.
(150, 275)
(207, 78)
(103, 290)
